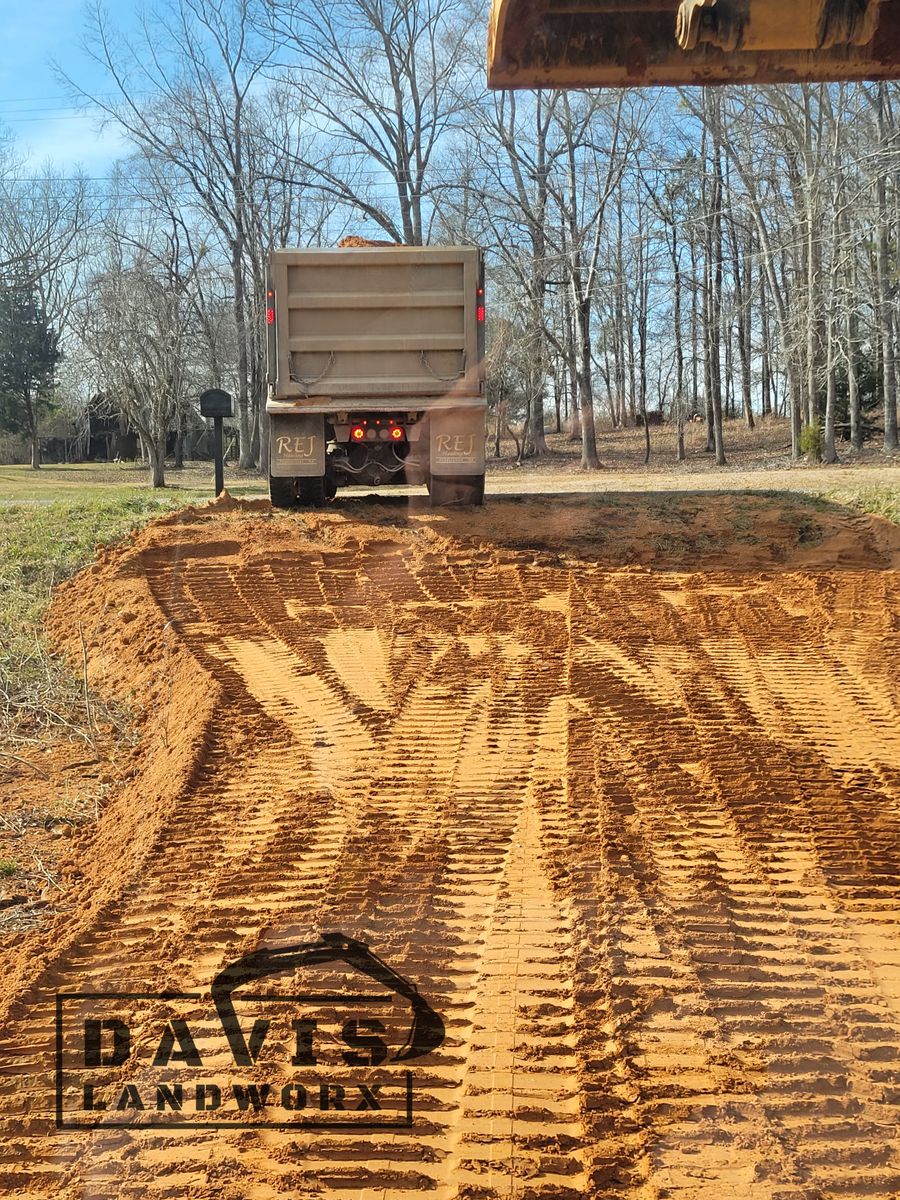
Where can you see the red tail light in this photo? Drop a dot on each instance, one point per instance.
(397, 433)
(480, 310)
(358, 433)
(270, 308)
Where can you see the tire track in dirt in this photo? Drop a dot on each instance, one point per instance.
(262, 664)
(603, 818)
(762, 936)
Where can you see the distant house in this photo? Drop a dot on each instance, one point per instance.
(91, 437)
(96, 436)
(62, 439)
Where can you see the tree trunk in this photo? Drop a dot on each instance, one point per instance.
(643, 282)
(558, 383)
(679, 351)
(829, 452)
(831, 331)
(590, 460)
(240, 322)
(538, 433)
(883, 272)
(811, 397)
(156, 448)
(254, 430)
(853, 378)
(575, 433)
(743, 289)
(711, 344)
(796, 408)
(766, 363)
(179, 438)
(717, 293)
(526, 426)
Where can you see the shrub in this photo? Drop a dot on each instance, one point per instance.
(812, 440)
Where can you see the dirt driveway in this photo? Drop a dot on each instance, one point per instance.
(613, 782)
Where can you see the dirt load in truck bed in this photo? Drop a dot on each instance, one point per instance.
(613, 781)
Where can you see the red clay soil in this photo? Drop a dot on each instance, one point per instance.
(615, 783)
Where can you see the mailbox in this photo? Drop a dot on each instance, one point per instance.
(215, 403)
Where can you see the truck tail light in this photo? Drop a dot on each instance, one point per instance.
(479, 312)
(358, 433)
(397, 433)
(270, 307)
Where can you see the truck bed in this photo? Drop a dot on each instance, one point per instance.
(384, 326)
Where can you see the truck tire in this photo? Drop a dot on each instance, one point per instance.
(281, 492)
(311, 491)
(288, 492)
(447, 490)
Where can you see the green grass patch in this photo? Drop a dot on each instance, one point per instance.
(39, 546)
(881, 501)
(8, 868)
(51, 522)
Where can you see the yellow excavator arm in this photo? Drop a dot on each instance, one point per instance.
(608, 43)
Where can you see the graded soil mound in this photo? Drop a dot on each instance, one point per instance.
(609, 785)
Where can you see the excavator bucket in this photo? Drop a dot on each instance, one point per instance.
(627, 43)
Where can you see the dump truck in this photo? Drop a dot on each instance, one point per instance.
(375, 371)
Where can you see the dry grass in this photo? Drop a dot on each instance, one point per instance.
(94, 481)
(765, 448)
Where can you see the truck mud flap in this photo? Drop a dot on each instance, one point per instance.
(297, 445)
(456, 441)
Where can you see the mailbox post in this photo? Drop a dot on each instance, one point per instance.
(217, 404)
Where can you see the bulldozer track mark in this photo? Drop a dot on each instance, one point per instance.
(738, 908)
(633, 834)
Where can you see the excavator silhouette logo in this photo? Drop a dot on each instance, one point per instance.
(335, 1056)
(426, 1030)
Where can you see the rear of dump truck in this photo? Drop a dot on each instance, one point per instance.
(376, 371)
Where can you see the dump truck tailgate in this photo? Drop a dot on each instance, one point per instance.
(367, 324)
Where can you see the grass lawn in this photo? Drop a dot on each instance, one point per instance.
(40, 544)
(51, 522)
(882, 501)
(89, 481)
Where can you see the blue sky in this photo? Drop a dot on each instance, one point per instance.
(33, 104)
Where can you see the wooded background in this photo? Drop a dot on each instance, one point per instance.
(699, 253)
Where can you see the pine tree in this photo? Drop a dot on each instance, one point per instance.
(28, 357)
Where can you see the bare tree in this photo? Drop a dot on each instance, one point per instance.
(190, 108)
(516, 159)
(46, 223)
(382, 83)
(138, 325)
(596, 141)
(885, 263)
